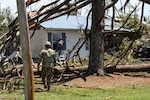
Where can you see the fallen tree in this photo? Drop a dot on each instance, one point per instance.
(80, 69)
(129, 68)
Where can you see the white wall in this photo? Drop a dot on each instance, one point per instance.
(38, 41)
(71, 40)
(40, 36)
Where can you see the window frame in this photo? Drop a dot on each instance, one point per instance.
(51, 39)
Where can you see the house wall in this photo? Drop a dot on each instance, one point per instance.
(37, 42)
(40, 36)
(71, 40)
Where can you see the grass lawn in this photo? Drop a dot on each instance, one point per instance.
(73, 93)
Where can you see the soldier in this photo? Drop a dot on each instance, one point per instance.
(59, 47)
(60, 51)
(48, 59)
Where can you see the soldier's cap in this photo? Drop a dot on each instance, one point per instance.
(47, 43)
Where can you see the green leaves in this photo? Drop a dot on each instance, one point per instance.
(5, 18)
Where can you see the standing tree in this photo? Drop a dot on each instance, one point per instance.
(96, 38)
(96, 63)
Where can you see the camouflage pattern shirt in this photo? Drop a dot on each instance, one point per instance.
(48, 58)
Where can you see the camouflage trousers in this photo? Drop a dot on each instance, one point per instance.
(46, 75)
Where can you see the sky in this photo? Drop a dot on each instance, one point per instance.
(134, 3)
(12, 5)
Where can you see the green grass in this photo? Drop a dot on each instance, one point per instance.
(64, 93)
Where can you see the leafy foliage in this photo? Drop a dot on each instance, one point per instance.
(5, 19)
(141, 31)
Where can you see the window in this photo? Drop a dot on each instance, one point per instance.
(54, 37)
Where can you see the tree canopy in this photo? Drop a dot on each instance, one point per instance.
(5, 19)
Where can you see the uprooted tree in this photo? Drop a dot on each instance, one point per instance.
(58, 8)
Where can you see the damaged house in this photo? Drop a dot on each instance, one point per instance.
(71, 30)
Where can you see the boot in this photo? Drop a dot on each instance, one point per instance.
(45, 86)
(48, 88)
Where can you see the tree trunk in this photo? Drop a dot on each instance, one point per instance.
(96, 62)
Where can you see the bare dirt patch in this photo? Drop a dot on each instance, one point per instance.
(109, 81)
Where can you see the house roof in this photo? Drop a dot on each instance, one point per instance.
(67, 22)
(76, 22)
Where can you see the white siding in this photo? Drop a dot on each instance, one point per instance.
(71, 40)
(37, 42)
(40, 36)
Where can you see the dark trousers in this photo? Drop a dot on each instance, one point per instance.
(46, 75)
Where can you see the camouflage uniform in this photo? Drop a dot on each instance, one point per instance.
(47, 57)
